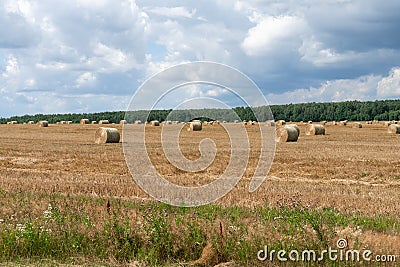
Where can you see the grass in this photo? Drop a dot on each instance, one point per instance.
(85, 229)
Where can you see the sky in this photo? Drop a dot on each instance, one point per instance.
(92, 55)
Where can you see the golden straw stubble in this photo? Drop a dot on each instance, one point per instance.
(107, 135)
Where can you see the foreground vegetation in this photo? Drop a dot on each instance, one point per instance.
(351, 110)
(82, 229)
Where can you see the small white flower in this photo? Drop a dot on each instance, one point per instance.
(20, 227)
(47, 214)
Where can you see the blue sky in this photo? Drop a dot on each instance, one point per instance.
(88, 56)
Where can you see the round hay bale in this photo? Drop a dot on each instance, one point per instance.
(122, 122)
(323, 122)
(315, 129)
(138, 122)
(94, 122)
(270, 123)
(286, 134)
(31, 122)
(244, 122)
(343, 123)
(43, 123)
(280, 123)
(387, 124)
(63, 122)
(309, 122)
(106, 135)
(236, 121)
(294, 126)
(104, 122)
(357, 125)
(13, 122)
(69, 122)
(394, 129)
(195, 126)
(155, 123)
(84, 121)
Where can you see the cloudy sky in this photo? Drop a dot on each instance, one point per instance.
(91, 55)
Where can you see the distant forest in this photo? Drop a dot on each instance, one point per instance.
(351, 110)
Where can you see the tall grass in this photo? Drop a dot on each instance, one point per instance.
(81, 229)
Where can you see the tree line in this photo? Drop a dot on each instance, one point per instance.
(332, 111)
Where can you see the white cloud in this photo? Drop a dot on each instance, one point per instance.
(364, 88)
(173, 12)
(104, 46)
(12, 67)
(86, 78)
(390, 85)
(271, 33)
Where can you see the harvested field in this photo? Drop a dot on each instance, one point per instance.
(348, 170)
(367, 159)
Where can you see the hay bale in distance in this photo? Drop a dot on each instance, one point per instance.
(294, 126)
(315, 129)
(387, 124)
(13, 122)
(280, 123)
(357, 125)
(138, 122)
(94, 122)
(270, 123)
(84, 121)
(394, 129)
(286, 134)
(106, 135)
(122, 122)
(69, 122)
(31, 122)
(43, 123)
(104, 122)
(155, 123)
(195, 126)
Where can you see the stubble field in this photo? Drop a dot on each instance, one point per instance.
(345, 184)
